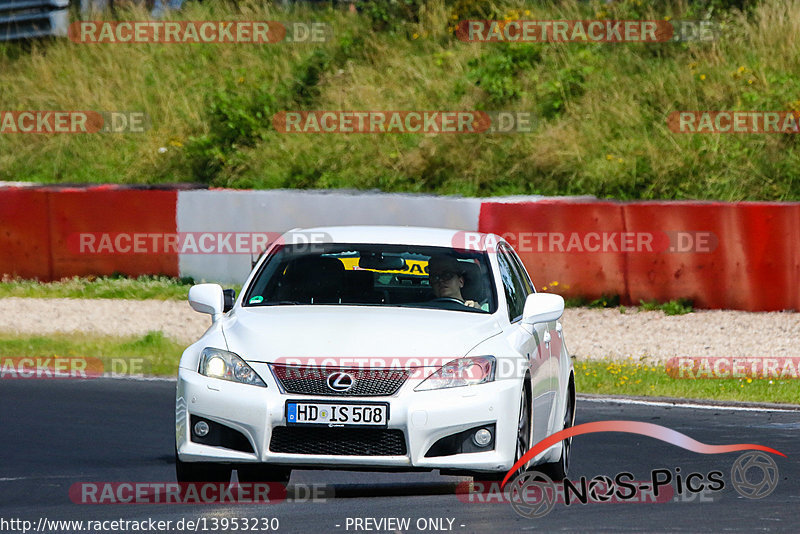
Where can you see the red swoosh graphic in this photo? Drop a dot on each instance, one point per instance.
(634, 427)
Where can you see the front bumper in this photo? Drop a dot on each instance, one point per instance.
(424, 418)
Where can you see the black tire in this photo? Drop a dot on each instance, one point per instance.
(557, 470)
(263, 473)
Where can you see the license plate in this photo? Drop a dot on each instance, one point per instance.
(337, 414)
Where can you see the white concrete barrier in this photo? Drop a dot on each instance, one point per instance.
(275, 211)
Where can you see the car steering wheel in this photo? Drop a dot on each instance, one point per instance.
(448, 299)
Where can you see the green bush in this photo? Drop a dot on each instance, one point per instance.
(673, 307)
(497, 71)
(236, 119)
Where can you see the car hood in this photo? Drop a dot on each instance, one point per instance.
(270, 334)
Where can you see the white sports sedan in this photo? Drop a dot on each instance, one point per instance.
(375, 348)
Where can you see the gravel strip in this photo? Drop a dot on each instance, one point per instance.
(109, 317)
(607, 333)
(590, 333)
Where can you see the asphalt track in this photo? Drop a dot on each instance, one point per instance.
(54, 433)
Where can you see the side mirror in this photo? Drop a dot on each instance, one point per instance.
(230, 298)
(207, 298)
(542, 308)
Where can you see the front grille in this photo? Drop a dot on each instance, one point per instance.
(314, 380)
(338, 441)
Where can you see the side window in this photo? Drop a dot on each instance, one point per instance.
(523, 274)
(514, 291)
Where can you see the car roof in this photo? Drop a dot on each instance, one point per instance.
(390, 235)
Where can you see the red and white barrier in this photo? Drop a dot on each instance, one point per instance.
(721, 255)
(40, 229)
(541, 231)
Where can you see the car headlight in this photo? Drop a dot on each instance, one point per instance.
(460, 372)
(218, 363)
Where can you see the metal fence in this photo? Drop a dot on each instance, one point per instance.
(23, 19)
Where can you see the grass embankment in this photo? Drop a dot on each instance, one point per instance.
(149, 355)
(102, 287)
(632, 378)
(601, 108)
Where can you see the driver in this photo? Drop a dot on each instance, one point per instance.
(446, 277)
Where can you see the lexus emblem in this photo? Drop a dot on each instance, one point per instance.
(340, 382)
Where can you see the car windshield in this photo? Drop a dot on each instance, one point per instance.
(374, 275)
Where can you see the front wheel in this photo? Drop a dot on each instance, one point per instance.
(557, 471)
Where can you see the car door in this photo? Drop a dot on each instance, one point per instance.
(552, 344)
(529, 341)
